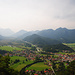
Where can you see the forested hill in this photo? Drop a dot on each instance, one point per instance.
(57, 48)
(40, 41)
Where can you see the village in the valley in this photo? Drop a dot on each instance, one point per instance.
(31, 55)
(41, 56)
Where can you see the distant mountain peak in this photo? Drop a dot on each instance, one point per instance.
(22, 31)
(61, 28)
(19, 33)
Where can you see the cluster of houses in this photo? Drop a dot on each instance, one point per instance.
(43, 72)
(65, 57)
(31, 55)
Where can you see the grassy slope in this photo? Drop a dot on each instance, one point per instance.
(7, 48)
(38, 66)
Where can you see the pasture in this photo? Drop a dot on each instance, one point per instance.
(38, 66)
(9, 48)
(13, 58)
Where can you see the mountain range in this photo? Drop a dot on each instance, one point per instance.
(63, 35)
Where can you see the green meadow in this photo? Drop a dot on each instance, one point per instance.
(38, 66)
(19, 65)
(13, 58)
(8, 48)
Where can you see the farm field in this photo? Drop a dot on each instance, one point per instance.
(38, 66)
(13, 58)
(72, 45)
(19, 65)
(8, 48)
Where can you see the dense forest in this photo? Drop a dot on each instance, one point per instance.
(57, 48)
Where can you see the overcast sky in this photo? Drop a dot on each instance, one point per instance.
(37, 14)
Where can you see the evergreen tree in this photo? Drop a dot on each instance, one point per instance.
(61, 69)
(71, 68)
(61, 66)
(53, 65)
(4, 66)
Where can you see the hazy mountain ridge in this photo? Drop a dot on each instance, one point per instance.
(61, 34)
(1, 37)
(28, 34)
(6, 32)
(19, 33)
(64, 35)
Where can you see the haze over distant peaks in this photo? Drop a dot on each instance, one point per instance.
(62, 34)
(1, 37)
(19, 33)
(6, 32)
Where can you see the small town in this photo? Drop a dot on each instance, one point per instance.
(48, 58)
